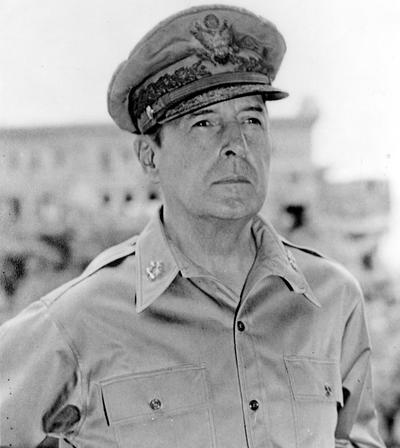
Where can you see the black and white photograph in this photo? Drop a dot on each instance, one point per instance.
(199, 224)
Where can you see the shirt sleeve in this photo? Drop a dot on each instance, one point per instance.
(357, 421)
(40, 380)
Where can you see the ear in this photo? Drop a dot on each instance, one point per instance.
(146, 150)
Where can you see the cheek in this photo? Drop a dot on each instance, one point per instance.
(168, 169)
(265, 146)
(262, 160)
(186, 161)
(194, 158)
(261, 152)
(178, 174)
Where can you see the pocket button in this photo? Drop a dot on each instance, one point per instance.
(328, 390)
(155, 404)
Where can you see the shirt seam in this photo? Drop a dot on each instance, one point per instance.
(293, 404)
(69, 342)
(359, 304)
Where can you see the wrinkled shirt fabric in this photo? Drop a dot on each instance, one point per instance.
(146, 349)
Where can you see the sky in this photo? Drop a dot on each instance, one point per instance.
(57, 57)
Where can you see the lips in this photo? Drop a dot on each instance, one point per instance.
(233, 180)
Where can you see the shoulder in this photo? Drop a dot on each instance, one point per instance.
(111, 255)
(326, 276)
(108, 275)
(75, 314)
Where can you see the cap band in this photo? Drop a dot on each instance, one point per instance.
(155, 112)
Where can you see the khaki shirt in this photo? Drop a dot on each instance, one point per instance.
(145, 349)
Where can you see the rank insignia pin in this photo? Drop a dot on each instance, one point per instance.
(154, 270)
(292, 260)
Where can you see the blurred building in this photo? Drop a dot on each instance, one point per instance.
(83, 184)
(48, 175)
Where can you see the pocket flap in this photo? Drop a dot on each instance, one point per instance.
(153, 393)
(314, 379)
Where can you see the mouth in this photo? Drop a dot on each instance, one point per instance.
(233, 180)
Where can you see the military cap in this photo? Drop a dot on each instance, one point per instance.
(198, 57)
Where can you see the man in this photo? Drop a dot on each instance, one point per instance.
(208, 330)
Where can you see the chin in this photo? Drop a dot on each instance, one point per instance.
(233, 209)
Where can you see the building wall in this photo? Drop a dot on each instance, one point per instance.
(48, 173)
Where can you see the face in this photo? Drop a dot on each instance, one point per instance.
(213, 163)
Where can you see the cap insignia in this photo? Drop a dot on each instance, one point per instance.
(216, 38)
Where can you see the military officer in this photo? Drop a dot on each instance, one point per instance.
(207, 330)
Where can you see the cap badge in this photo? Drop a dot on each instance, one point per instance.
(154, 270)
(216, 38)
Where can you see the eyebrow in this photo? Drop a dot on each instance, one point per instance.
(254, 109)
(211, 111)
(201, 112)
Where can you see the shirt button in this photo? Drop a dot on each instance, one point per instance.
(155, 404)
(241, 326)
(254, 405)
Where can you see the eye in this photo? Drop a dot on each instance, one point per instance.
(253, 120)
(202, 124)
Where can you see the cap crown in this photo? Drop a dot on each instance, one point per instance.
(197, 57)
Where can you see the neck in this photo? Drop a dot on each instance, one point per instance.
(212, 242)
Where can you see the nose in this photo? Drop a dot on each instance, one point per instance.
(233, 141)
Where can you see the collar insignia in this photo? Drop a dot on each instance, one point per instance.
(154, 270)
(292, 260)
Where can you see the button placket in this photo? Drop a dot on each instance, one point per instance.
(249, 380)
(239, 340)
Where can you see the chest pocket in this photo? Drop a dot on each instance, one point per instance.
(316, 388)
(164, 408)
(314, 379)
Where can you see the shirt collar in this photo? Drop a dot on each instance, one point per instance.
(157, 264)
(273, 255)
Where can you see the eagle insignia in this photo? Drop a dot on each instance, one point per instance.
(217, 39)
